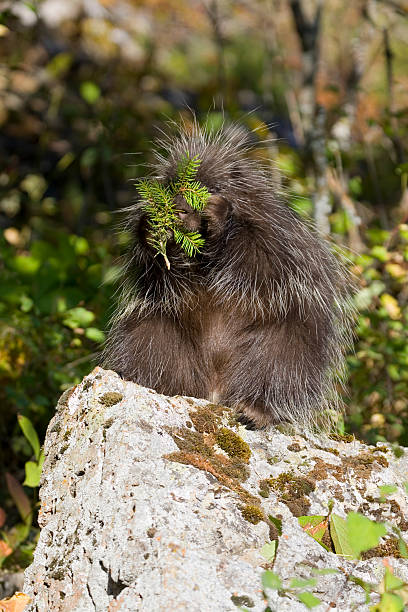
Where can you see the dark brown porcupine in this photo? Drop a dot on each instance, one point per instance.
(260, 320)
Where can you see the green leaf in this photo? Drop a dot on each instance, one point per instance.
(80, 244)
(26, 265)
(308, 599)
(277, 522)
(33, 472)
(325, 572)
(302, 582)
(31, 435)
(17, 534)
(268, 551)
(389, 603)
(403, 548)
(386, 490)
(91, 92)
(60, 64)
(340, 536)
(26, 303)
(158, 203)
(392, 582)
(380, 253)
(97, 335)
(78, 317)
(35, 185)
(65, 161)
(270, 580)
(363, 533)
(187, 169)
(367, 586)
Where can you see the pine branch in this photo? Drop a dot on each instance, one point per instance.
(191, 242)
(158, 203)
(188, 168)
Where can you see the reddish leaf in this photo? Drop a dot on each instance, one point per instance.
(19, 497)
(3, 517)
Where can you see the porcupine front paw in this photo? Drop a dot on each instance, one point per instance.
(249, 423)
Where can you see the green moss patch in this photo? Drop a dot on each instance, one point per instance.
(342, 437)
(111, 398)
(252, 514)
(198, 448)
(291, 490)
(233, 445)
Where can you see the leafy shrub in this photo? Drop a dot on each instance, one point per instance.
(53, 310)
(378, 382)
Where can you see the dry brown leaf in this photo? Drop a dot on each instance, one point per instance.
(17, 603)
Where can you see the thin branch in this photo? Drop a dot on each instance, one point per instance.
(214, 17)
(389, 56)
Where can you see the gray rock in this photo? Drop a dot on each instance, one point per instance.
(147, 503)
(10, 582)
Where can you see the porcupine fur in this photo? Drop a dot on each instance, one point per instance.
(260, 320)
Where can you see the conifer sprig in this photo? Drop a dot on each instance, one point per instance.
(158, 203)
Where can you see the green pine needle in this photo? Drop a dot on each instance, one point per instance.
(191, 242)
(162, 212)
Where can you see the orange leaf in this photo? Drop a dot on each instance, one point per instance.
(17, 603)
(5, 549)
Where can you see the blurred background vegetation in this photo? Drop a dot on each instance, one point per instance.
(85, 85)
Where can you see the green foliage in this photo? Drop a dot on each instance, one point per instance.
(386, 490)
(90, 92)
(162, 210)
(295, 586)
(13, 539)
(268, 550)
(52, 314)
(32, 468)
(379, 367)
(350, 537)
(340, 537)
(30, 433)
(362, 533)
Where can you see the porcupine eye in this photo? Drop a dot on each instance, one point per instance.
(189, 218)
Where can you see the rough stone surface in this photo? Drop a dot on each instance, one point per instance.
(144, 499)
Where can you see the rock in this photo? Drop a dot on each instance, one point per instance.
(154, 503)
(10, 582)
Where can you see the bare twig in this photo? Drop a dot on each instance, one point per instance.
(313, 115)
(389, 56)
(213, 14)
(338, 189)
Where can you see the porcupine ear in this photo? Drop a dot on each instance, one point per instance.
(216, 212)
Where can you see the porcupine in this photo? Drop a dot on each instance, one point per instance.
(259, 320)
